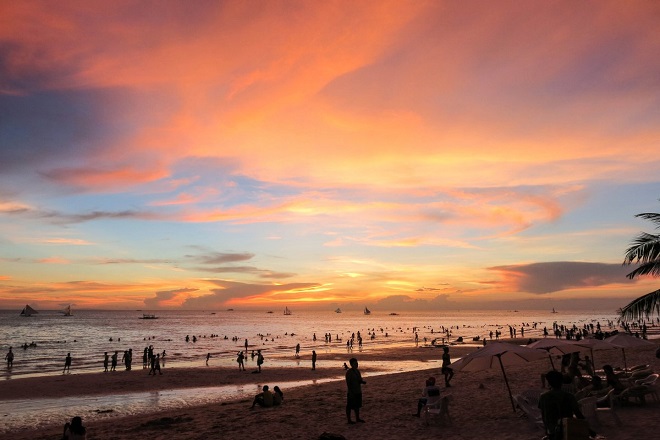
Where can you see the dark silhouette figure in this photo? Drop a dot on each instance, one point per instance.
(106, 361)
(313, 359)
(430, 395)
(10, 358)
(240, 358)
(264, 399)
(278, 395)
(446, 371)
(74, 430)
(114, 361)
(208, 356)
(556, 404)
(260, 360)
(354, 384)
(67, 363)
(155, 365)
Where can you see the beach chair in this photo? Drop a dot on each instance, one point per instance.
(588, 408)
(610, 409)
(528, 403)
(438, 410)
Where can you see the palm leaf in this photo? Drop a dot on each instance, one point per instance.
(642, 307)
(651, 216)
(652, 268)
(645, 248)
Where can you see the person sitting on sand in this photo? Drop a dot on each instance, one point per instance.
(556, 404)
(263, 399)
(430, 395)
(74, 430)
(278, 395)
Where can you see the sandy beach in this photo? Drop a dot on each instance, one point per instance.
(308, 411)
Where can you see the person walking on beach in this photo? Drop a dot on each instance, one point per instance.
(106, 360)
(354, 384)
(240, 359)
(297, 350)
(67, 363)
(155, 365)
(10, 358)
(313, 359)
(208, 356)
(446, 371)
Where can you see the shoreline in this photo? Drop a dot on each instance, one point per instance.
(309, 410)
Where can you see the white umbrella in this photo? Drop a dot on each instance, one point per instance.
(623, 341)
(498, 353)
(554, 346)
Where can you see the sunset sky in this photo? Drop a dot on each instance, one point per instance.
(256, 154)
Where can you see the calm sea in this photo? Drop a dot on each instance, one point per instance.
(89, 333)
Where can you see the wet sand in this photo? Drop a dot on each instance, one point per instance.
(389, 401)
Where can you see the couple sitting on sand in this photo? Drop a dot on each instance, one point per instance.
(266, 398)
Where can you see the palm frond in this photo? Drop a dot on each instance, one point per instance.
(652, 268)
(645, 248)
(642, 307)
(651, 216)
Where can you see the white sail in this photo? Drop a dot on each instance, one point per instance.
(367, 311)
(67, 310)
(287, 311)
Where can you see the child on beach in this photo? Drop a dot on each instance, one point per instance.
(354, 384)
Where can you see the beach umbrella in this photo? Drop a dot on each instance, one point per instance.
(594, 344)
(498, 354)
(623, 341)
(554, 347)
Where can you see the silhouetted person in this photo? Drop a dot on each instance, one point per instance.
(260, 360)
(313, 360)
(74, 430)
(240, 358)
(354, 384)
(106, 361)
(208, 356)
(430, 395)
(556, 404)
(446, 371)
(113, 366)
(67, 363)
(297, 350)
(10, 358)
(264, 399)
(278, 395)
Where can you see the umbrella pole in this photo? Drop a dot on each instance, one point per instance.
(551, 362)
(593, 363)
(625, 364)
(506, 381)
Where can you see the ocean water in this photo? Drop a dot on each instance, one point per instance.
(89, 333)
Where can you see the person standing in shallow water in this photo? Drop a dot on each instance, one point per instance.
(114, 361)
(106, 360)
(354, 384)
(67, 363)
(313, 359)
(10, 358)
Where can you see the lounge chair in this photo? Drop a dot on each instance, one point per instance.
(528, 403)
(588, 407)
(438, 410)
(610, 401)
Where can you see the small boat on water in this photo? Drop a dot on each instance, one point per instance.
(149, 316)
(554, 311)
(28, 311)
(337, 310)
(367, 311)
(393, 314)
(287, 311)
(270, 311)
(67, 311)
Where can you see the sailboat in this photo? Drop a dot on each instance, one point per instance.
(367, 311)
(287, 311)
(28, 311)
(337, 310)
(554, 311)
(67, 311)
